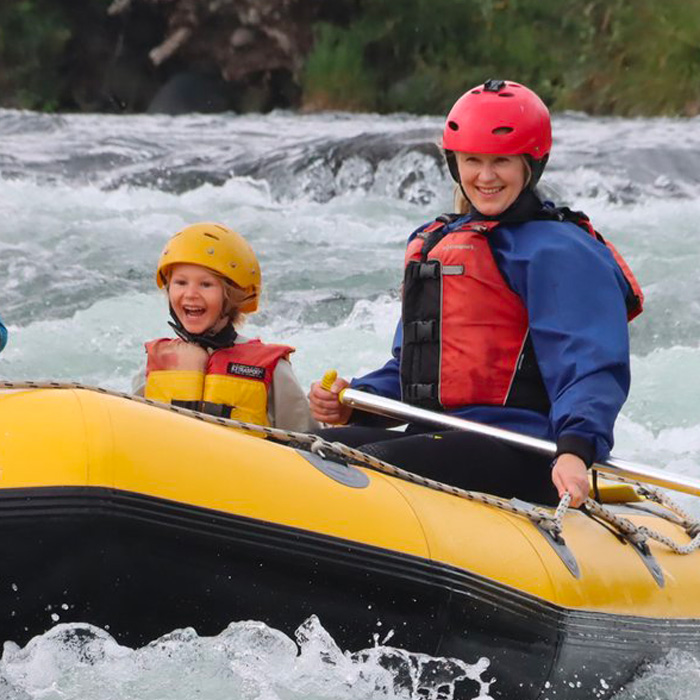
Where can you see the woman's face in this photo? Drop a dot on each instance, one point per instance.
(197, 297)
(491, 182)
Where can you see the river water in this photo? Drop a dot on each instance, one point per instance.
(327, 201)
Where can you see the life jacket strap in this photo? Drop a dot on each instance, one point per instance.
(415, 393)
(434, 234)
(220, 410)
(422, 331)
(189, 405)
(424, 270)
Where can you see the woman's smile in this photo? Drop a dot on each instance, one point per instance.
(491, 182)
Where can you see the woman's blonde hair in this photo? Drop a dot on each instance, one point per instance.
(463, 206)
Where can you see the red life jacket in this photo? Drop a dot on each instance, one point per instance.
(466, 333)
(235, 383)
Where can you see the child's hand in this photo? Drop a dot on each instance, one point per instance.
(177, 354)
(325, 406)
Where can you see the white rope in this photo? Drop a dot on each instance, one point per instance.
(563, 506)
(677, 515)
(639, 534)
(552, 523)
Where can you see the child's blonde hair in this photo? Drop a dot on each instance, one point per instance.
(234, 298)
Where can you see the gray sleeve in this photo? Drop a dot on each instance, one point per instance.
(288, 406)
(138, 383)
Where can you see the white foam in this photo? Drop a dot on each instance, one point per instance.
(247, 661)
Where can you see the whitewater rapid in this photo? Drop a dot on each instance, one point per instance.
(327, 201)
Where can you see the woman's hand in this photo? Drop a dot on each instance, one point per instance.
(325, 406)
(570, 474)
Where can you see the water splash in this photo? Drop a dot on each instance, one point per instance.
(247, 661)
(677, 677)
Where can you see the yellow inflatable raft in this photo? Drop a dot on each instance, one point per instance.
(140, 521)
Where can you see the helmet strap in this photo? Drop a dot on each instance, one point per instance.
(223, 338)
(451, 160)
(537, 168)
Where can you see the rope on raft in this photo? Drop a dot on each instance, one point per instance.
(551, 522)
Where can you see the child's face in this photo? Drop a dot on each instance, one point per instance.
(197, 296)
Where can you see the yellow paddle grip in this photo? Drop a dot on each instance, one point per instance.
(328, 378)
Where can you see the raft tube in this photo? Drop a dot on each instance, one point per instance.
(141, 521)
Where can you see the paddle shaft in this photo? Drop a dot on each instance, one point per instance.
(412, 414)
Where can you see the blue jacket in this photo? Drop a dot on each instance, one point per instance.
(574, 293)
(3, 335)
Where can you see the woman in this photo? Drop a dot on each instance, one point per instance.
(514, 314)
(212, 278)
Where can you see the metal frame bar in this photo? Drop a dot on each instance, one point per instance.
(618, 467)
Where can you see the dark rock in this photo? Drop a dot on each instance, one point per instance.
(216, 55)
(192, 92)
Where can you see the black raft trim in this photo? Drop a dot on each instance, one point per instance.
(584, 628)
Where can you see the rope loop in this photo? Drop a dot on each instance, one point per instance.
(317, 447)
(563, 506)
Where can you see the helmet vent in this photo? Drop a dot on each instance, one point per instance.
(475, 92)
(211, 235)
(453, 125)
(506, 94)
(500, 130)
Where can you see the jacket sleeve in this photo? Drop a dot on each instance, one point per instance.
(138, 382)
(288, 407)
(575, 297)
(3, 335)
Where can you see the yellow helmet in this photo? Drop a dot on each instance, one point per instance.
(218, 248)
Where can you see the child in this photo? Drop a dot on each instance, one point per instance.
(212, 278)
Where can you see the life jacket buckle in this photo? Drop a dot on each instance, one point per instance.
(429, 270)
(219, 410)
(420, 392)
(421, 331)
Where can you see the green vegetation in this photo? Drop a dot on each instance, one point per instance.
(38, 39)
(629, 57)
(639, 57)
(625, 57)
(33, 36)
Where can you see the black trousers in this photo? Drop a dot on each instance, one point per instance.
(467, 460)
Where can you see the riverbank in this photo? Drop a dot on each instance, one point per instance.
(130, 56)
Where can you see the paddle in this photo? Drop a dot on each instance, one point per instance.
(401, 411)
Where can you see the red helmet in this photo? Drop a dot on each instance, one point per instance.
(499, 117)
